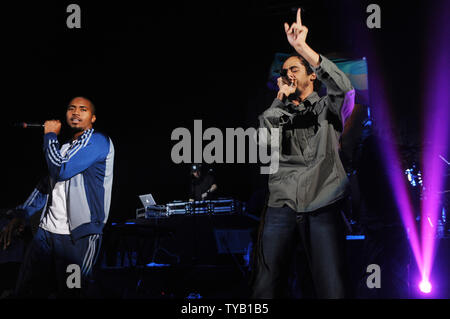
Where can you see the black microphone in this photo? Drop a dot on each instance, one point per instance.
(28, 125)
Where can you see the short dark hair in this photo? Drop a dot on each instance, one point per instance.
(93, 109)
(317, 84)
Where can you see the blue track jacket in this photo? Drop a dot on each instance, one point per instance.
(87, 170)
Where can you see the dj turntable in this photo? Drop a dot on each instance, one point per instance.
(219, 206)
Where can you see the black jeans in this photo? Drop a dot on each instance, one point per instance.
(322, 237)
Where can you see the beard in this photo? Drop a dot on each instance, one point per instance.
(298, 91)
(75, 129)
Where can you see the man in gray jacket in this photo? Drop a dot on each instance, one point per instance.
(305, 192)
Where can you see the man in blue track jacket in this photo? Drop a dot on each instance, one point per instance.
(74, 199)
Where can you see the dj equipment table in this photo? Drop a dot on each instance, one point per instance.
(209, 232)
(220, 206)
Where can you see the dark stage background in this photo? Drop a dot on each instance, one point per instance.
(151, 68)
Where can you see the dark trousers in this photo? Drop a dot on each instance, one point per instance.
(322, 237)
(44, 274)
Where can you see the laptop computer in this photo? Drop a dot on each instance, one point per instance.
(147, 200)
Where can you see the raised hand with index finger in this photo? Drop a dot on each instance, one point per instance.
(296, 33)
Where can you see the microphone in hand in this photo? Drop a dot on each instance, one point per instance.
(28, 125)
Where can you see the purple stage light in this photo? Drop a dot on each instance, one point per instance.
(436, 139)
(425, 286)
(436, 133)
(391, 160)
(399, 187)
(435, 82)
